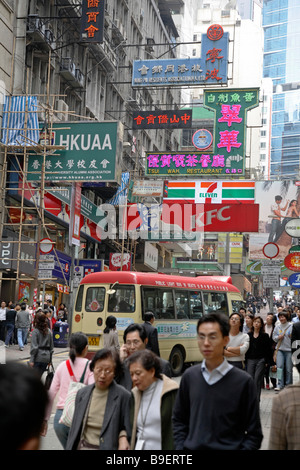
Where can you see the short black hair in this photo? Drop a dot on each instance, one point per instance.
(108, 353)
(135, 327)
(23, 402)
(216, 317)
(241, 319)
(148, 316)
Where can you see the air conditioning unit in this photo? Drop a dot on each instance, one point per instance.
(79, 77)
(62, 110)
(35, 24)
(49, 35)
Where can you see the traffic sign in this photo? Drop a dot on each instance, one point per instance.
(46, 245)
(271, 281)
(270, 269)
(270, 250)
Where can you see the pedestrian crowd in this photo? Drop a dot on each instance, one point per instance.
(127, 400)
(17, 320)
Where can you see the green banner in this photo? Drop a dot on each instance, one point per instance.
(92, 152)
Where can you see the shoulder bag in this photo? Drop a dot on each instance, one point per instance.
(50, 374)
(68, 411)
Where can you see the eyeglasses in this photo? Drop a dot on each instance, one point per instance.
(135, 342)
(99, 370)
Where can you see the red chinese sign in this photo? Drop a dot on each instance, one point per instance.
(178, 119)
(92, 20)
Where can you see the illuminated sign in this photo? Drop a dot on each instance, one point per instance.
(231, 107)
(178, 119)
(92, 21)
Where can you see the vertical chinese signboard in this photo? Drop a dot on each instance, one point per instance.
(92, 20)
(230, 106)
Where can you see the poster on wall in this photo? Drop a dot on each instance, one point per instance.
(279, 202)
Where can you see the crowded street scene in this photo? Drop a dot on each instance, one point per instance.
(150, 228)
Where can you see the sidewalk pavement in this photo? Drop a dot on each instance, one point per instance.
(14, 354)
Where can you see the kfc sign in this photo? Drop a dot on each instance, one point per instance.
(118, 259)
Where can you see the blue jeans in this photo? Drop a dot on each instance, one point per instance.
(284, 362)
(275, 229)
(61, 430)
(22, 335)
(9, 332)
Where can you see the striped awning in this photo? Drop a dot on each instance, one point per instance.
(20, 126)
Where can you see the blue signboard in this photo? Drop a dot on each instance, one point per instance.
(90, 265)
(210, 68)
(294, 280)
(62, 266)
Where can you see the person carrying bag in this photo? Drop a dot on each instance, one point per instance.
(59, 389)
(68, 412)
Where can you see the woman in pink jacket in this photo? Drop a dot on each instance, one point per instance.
(78, 345)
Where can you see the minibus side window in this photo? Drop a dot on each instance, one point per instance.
(78, 306)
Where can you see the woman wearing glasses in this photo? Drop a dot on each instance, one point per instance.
(101, 418)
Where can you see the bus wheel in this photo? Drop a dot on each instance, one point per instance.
(176, 361)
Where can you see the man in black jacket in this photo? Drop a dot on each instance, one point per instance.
(216, 406)
(135, 339)
(152, 334)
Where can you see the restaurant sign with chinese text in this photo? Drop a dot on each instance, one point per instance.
(231, 107)
(229, 140)
(210, 68)
(177, 119)
(92, 153)
(92, 20)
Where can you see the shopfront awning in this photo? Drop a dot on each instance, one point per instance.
(20, 126)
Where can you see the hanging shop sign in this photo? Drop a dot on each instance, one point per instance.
(210, 192)
(229, 144)
(229, 139)
(116, 260)
(186, 221)
(292, 261)
(294, 280)
(177, 119)
(92, 20)
(92, 152)
(210, 68)
(18, 256)
(292, 228)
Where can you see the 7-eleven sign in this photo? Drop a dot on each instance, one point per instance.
(208, 192)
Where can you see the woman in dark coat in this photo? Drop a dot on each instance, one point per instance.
(101, 417)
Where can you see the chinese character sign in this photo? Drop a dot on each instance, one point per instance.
(210, 68)
(177, 119)
(92, 21)
(231, 106)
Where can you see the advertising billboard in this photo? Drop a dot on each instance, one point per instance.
(279, 203)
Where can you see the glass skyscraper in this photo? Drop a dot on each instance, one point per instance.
(281, 23)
